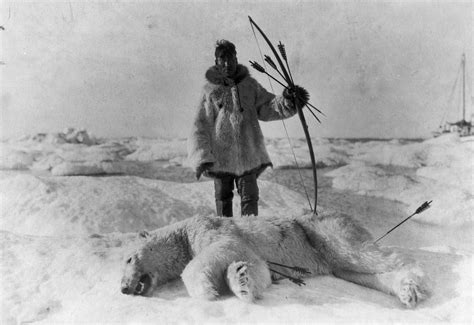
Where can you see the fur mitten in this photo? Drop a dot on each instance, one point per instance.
(298, 92)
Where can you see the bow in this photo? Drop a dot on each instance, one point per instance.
(286, 75)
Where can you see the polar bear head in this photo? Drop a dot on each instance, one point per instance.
(159, 259)
(137, 276)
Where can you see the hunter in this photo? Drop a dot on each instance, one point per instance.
(226, 142)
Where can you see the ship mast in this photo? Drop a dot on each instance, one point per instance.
(463, 86)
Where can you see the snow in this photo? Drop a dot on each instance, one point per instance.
(56, 206)
(442, 170)
(64, 238)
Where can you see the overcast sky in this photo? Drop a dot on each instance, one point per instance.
(376, 68)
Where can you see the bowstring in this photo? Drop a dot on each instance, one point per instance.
(283, 122)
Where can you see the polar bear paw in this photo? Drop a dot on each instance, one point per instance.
(240, 282)
(410, 293)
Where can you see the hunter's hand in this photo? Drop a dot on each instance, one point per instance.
(202, 168)
(299, 93)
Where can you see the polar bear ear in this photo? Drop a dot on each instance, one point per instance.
(143, 234)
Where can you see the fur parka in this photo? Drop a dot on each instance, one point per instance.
(226, 131)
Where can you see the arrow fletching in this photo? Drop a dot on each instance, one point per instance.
(281, 48)
(297, 281)
(301, 270)
(423, 207)
(257, 66)
(270, 62)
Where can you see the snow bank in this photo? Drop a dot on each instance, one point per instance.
(66, 154)
(452, 205)
(441, 168)
(158, 149)
(326, 155)
(444, 151)
(41, 276)
(15, 159)
(62, 159)
(442, 172)
(69, 135)
(86, 205)
(44, 152)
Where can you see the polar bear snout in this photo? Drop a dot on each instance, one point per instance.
(140, 287)
(126, 290)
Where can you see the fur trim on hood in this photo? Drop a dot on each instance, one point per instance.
(214, 76)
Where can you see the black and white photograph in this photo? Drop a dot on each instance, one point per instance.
(236, 162)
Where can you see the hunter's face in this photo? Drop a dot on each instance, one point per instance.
(227, 63)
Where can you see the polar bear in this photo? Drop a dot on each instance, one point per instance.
(217, 256)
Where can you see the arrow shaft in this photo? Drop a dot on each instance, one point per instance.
(398, 225)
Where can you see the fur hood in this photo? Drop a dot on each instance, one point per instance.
(214, 76)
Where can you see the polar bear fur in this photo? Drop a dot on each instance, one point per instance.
(216, 256)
